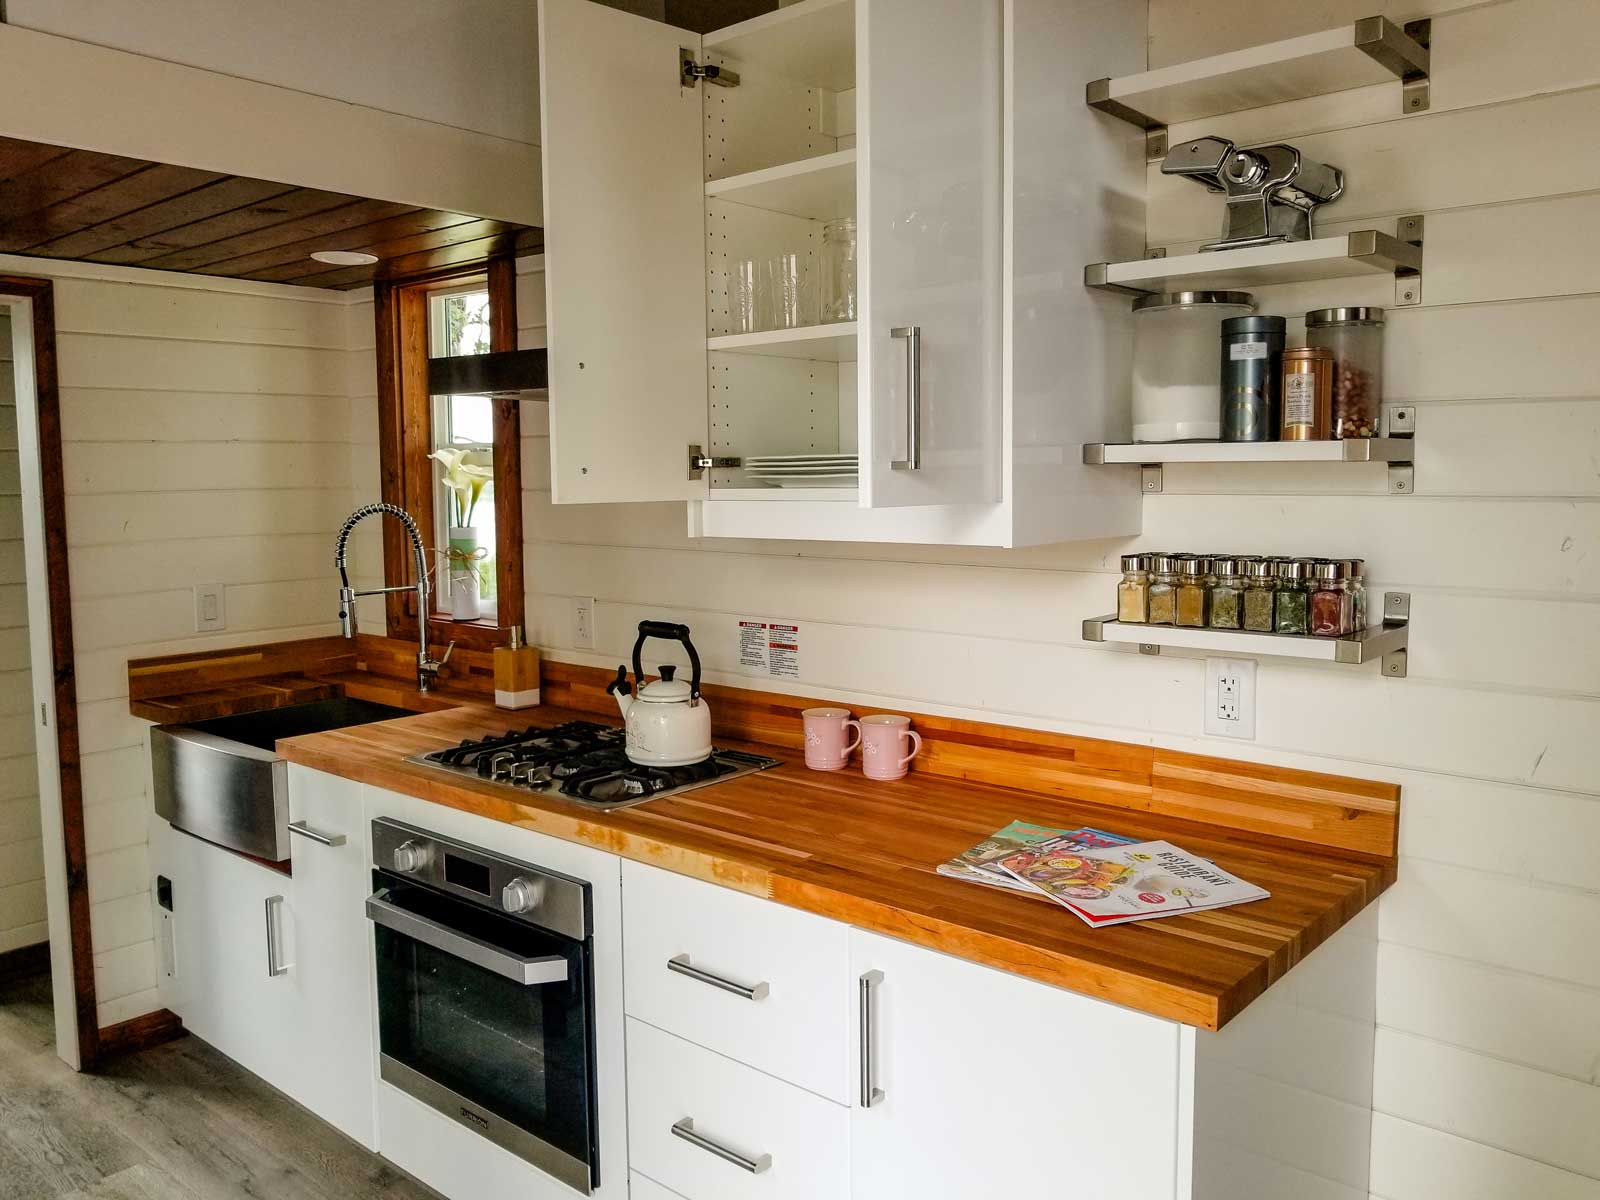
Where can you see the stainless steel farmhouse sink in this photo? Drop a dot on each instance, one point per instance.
(222, 780)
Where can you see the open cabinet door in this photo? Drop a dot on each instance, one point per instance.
(624, 200)
(929, 140)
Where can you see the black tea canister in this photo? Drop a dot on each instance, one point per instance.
(1252, 378)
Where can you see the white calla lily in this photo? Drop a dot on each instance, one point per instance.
(467, 473)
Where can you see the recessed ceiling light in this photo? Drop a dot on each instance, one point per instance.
(344, 258)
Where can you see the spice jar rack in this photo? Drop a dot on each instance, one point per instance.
(1386, 642)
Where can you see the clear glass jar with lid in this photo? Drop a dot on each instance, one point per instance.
(1163, 608)
(1330, 600)
(1133, 593)
(1354, 336)
(1260, 592)
(1193, 592)
(1227, 594)
(1291, 607)
(1177, 382)
(839, 270)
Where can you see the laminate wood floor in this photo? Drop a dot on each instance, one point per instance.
(176, 1122)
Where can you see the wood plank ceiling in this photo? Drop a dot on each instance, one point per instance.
(91, 207)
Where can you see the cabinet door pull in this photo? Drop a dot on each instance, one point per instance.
(685, 1129)
(913, 338)
(679, 963)
(316, 835)
(871, 1093)
(274, 966)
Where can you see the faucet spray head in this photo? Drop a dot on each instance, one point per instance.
(347, 611)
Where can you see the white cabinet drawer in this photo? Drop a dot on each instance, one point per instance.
(795, 1145)
(641, 1187)
(797, 1028)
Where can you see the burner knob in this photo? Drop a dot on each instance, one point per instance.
(411, 856)
(522, 894)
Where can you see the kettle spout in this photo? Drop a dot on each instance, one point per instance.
(622, 690)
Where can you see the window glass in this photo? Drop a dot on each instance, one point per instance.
(463, 429)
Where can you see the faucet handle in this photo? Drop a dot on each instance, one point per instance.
(448, 651)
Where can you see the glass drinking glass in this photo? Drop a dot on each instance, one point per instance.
(744, 296)
(787, 276)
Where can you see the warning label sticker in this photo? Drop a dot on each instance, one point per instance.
(770, 648)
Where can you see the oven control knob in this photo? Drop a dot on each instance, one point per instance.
(410, 856)
(522, 894)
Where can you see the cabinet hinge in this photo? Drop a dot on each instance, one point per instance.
(693, 72)
(700, 462)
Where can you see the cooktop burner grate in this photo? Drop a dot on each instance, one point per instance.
(584, 761)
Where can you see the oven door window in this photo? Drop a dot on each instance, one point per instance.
(519, 1051)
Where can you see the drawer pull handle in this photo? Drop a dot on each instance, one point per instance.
(316, 835)
(680, 964)
(871, 1093)
(685, 1129)
(275, 966)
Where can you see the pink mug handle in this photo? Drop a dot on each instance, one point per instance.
(915, 749)
(855, 743)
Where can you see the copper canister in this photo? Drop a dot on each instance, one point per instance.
(1307, 394)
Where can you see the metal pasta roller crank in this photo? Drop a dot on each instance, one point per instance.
(1271, 190)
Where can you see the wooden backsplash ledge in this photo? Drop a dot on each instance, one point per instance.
(1356, 815)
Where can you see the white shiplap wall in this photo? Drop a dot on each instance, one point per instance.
(22, 919)
(206, 429)
(1488, 1052)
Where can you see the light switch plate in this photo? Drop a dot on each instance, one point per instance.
(210, 615)
(1230, 697)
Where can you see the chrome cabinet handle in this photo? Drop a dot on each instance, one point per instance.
(871, 1093)
(275, 968)
(685, 1129)
(551, 968)
(913, 337)
(316, 835)
(680, 964)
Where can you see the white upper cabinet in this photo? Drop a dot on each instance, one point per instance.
(928, 102)
(622, 182)
(894, 423)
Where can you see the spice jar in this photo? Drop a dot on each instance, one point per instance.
(1260, 590)
(1133, 593)
(1354, 336)
(1356, 581)
(1330, 601)
(1227, 594)
(1192, 592)
(1252, 378)
(1292, 604)
(1163, 590)
(1307, 393)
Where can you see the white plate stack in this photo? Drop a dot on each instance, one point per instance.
(804, 470)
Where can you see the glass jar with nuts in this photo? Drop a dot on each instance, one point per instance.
(1355, 338)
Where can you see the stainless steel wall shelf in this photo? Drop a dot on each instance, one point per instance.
(1361, 252)
(1386, 642)
(1398, 450)
(1369, 51)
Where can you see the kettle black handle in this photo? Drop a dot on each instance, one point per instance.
(667, 631)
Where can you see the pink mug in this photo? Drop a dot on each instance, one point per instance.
(883, 739)
(826, 748)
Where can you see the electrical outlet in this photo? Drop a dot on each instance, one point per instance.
(209, 614)
(1231, 697)
(583, 622)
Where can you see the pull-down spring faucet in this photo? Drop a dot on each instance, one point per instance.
(427, 668)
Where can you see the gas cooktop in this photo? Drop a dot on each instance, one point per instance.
(584, 762)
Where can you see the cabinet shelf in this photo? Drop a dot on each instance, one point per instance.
(1369, 51)
(812, 42)
(822, 343)
(1386, 642)
(1361, 252)
(1350, 450)
(818, 189)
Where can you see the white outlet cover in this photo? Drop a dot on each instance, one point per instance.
(583, 622)
(1230, 698)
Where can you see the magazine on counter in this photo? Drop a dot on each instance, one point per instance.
(981, 864)
(1131, 882)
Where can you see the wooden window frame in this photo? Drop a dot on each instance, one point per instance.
(405, 440)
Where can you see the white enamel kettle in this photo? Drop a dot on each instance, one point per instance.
(667, 723)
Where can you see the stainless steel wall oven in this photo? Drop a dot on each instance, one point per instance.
(486, 995)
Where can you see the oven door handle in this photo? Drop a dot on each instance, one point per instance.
(526, 971)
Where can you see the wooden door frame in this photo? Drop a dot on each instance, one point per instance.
(40, 296)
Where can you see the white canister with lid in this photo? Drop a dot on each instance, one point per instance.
(1177, 387)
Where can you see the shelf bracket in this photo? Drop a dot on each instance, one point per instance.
(1408, 280)
(1097, 95)
(1152, 479)
(1405, 52)
(1396, 612)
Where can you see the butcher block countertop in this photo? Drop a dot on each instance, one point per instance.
(864, 853)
